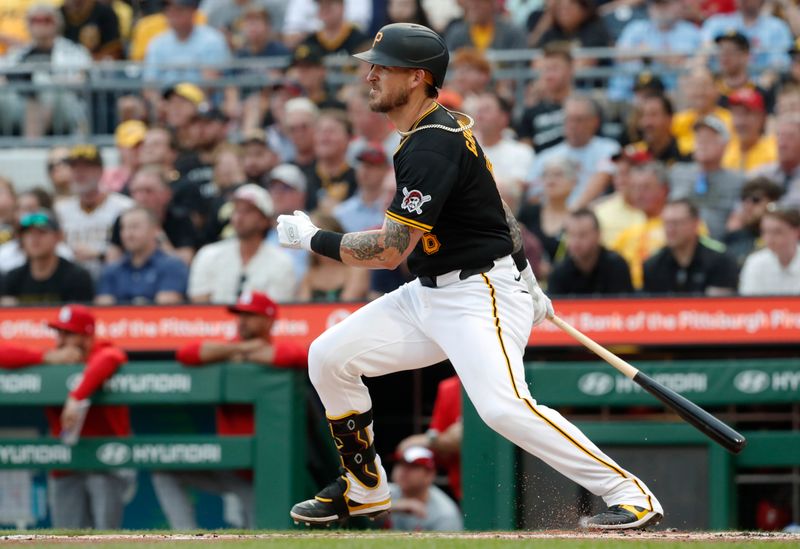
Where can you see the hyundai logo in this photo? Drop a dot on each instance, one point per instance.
(596, 383)
(114, 453)
(751, 381)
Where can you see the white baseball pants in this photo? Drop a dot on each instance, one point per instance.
(482, 325)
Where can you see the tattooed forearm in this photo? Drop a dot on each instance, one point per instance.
(397, 235)
(513, 227)
(364, 245)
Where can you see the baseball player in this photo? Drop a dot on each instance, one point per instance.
(256, 314)
(81, 499)
(473, 301)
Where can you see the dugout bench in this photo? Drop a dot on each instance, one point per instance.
(276, 453)
(491, 466)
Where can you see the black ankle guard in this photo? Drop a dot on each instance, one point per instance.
(355, 447)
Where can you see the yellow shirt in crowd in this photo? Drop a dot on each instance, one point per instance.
(615, 215)
(637, 243)
(765, 151)
(683, 126)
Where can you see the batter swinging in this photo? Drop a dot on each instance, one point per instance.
(473, 302)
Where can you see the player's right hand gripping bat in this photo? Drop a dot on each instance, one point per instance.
(691, 413)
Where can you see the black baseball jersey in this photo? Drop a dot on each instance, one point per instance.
(445, 187)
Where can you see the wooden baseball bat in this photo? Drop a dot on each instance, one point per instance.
(690, 412)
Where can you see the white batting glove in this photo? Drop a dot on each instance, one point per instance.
(295, 231)
(542, 306)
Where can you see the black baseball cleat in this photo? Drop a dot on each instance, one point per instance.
(332, 505)
(623, 517)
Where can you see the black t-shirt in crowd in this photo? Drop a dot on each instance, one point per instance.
(339, 187)
(95, 27)
(543, 124)
(177, 226)
(609, 276)
(68, 283)
(349, 42)
(662, 274)
(445, 188)
(531, 218)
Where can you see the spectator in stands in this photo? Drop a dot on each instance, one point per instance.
(255, 313)
(88, 216)
(148, 27)
(8, 210)
(546, 220)
(181, 104)
(588, 267)
(577, 22)
(581, 144)
(417, 504)
(91, 499)
(145, 274)
(250, 263)
(54, 108)
(775, 269)
(617, 211)
(176, 236)
(257, 33)
(187, 52)
(365, 209)
(337, 35)
(687, 265)
(257, 157)
(407, 11)
(756, 195)
(656, 127)
(308, 69)
(228, 177)
(59, 172)
(127, 137)
(300, 121)
(662, 32)
(542, 124)
(711, 188)
(750, 147)
(770, 36)
(470, 73)
(788, 99)
(11, 253)
(510, 159)
(287, 187)
(734, 67)
(646, 84)
(302, 18)
(328, 280)
(45, 278)
(650, 184)
(483, 28)
(445, 432)
(786, 169)
(330, 179)
(368, 126)
(95, 26)
(701, 97)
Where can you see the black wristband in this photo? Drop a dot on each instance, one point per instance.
(327, 243)
(519, 259)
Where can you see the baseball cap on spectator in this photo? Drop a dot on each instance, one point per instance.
(735, 37)
(290, 175)
(633, 155)
(210, 112)
(293, 87)
(747, 97)
(257, 196)
(418, 456)
(256, 303)
(373, 153)
(306, 55)
(41, 219)
(647, 81)
(188, 91)
(130, 134)
(85, 153)
(75, 319)
(714, 123)
(450, 99)
(254, 135)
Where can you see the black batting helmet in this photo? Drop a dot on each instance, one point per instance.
(410, 46)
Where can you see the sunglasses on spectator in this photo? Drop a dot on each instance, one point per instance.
(42, 20)
(754, 199)
(38, 220)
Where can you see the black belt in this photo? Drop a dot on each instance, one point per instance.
(430, 281)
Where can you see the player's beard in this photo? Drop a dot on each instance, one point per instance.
(389, 101)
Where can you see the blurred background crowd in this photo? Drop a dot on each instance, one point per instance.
(646, 145)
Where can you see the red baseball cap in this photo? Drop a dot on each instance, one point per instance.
(75, 319)
(419, 456)
(373, 153)
(747, 97)
(257, 303)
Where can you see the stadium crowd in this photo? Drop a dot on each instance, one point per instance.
(679, 174)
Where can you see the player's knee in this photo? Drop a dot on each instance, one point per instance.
(321, 363)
